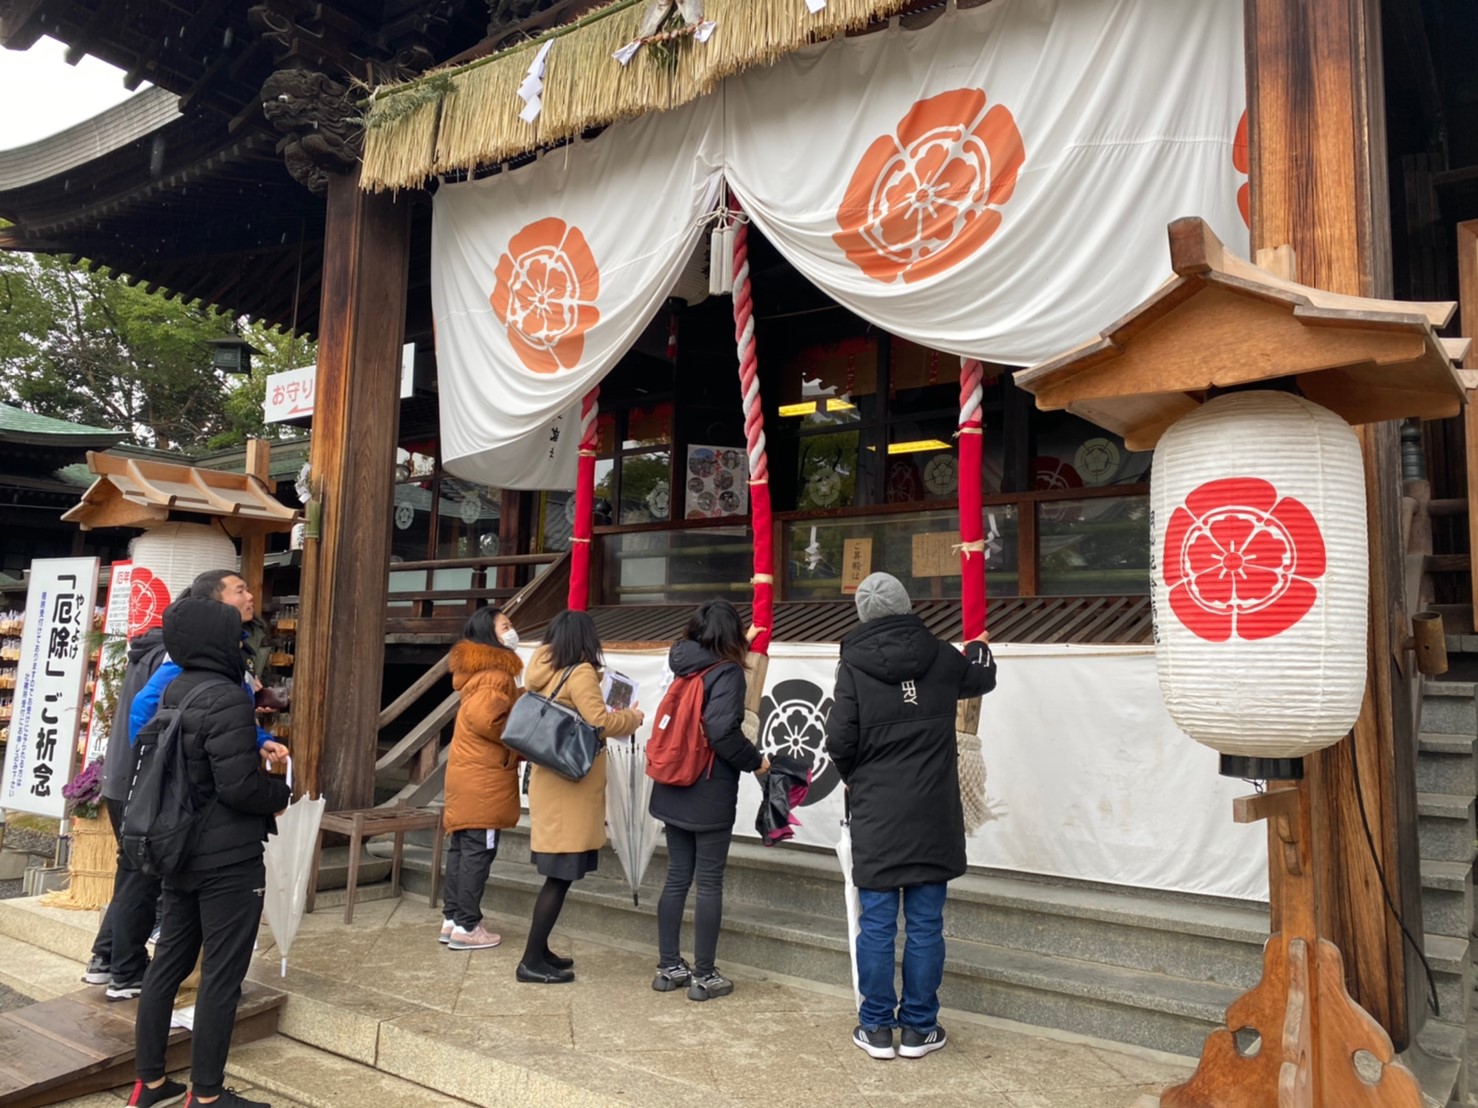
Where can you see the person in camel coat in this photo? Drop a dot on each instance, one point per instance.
(481, 774)
(568, 817)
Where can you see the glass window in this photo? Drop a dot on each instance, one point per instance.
(646, 491)
(678, 567)
(648, 427)
(1073, 454)
(830, 383)
(556, 521)
(467, 518)
(827, 471)
(916, 547)
(410, 532)
(1098, 546)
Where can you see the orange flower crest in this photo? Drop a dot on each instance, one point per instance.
(924, 199)
(1241, 163)
(544, 292)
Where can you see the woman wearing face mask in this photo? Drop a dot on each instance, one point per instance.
(481, 773)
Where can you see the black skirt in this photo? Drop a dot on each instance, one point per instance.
(566, 867)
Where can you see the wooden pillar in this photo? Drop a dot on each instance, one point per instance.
(1318, 165)
(341, 637)
(1467, 283)
(254, 543)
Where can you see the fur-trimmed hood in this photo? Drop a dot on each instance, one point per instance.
(470, 658)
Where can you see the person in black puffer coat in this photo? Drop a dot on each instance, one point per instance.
(891, 736)
(216, 899)
(700, 817)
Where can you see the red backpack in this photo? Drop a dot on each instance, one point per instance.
(678, 752)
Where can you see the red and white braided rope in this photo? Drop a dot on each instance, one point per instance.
(749, 380)
(972, 391)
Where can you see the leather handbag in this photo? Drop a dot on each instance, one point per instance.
(552, 735)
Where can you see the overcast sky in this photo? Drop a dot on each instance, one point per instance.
(40, 94)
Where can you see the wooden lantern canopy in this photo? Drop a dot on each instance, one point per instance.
(1246, 384)
(1261, 574)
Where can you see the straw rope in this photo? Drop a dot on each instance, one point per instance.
(460, 118)
(90, 866)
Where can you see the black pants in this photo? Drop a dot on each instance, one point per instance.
(470, 855)
(706, 853)
(130, 915)
(219, 909)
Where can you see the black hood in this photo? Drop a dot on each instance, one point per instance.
(140, 647)
(205, 634)
(687, 657)
(892, 649)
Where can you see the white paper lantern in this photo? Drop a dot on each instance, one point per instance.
(1261, 578)
(166, 558)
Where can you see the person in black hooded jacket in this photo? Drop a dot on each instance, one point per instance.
(700, 816)
(216, 899)
(891, 736)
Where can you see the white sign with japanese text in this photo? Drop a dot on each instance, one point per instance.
(120, 581)
(115, 632)
(40, 756)
(290, 393)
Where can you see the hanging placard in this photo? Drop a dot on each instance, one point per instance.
(934, 554)
(717, 482)
(856, 563)
(40, 756)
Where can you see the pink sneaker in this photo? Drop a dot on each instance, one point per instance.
(446, 931)
(479, 938)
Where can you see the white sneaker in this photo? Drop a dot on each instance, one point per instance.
(446, 931)
(479, 938)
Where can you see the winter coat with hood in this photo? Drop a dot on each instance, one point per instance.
(145, 654)
(710, 803)
(891, 736)
(482, 773)
(569, 817)
(220, 735)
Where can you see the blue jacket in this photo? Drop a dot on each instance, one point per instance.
(146, 703)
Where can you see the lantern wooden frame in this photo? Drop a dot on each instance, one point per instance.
(1221, 322)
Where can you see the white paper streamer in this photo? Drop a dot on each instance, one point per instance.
(532, 89)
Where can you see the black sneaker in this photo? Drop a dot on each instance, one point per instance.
(229, 1098)
(98, 972)
(124, 990)
(916, 1044)
(709, 985)
(671, 978)
(171, 1092)
(878, 1044)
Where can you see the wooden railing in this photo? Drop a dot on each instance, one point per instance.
(421, 747)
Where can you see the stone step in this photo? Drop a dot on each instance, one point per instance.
(1438, 1060)
(1445, 826)
(69, 934)
(1448, 708)
(1446, 764)
(1451, 960)
(333, 869)
(1447, 898)
(1128, 1005)
(317, 1078)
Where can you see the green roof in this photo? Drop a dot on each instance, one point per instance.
(18, 425)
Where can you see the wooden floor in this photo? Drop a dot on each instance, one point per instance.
(83, 1043)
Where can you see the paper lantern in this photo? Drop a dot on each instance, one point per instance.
(166, 558)
(1260, 574)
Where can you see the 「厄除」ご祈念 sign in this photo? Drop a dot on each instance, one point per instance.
(41, 752)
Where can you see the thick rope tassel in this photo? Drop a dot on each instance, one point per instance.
(579, 595)
(763, 581)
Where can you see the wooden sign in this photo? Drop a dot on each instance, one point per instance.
(934, 554)
(856, 563)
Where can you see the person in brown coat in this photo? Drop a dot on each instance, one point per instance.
(481, 773)
(568, 817)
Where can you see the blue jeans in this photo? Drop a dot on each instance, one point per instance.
(923, 956)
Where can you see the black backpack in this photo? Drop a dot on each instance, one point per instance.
(163, 810)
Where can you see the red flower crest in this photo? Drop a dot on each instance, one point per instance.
(1241, 163)
(544, 292)
(1241, 561)
(927, 197)
(147, 598)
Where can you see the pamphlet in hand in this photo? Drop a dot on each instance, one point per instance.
(618, 690)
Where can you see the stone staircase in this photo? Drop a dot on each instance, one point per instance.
(1155, 971)
(1447, 784)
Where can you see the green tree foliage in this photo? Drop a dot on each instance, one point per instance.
(82, 347)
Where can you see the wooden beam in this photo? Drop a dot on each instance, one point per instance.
(254, 542)
(1318, 183)
(341, 640)
(1467, 284)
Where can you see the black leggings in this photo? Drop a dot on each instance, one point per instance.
(547, 906)
(704, 853)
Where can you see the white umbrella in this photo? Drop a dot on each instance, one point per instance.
(289, 858)
(632, 830)
(854, 906)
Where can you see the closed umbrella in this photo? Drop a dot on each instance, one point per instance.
(854, 905)
(289, 858)
(633, 832)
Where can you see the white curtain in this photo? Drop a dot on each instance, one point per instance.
(996, 185)
(543, 278)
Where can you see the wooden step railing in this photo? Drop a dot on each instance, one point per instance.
(533, 605)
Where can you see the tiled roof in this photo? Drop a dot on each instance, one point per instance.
(19, 425)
